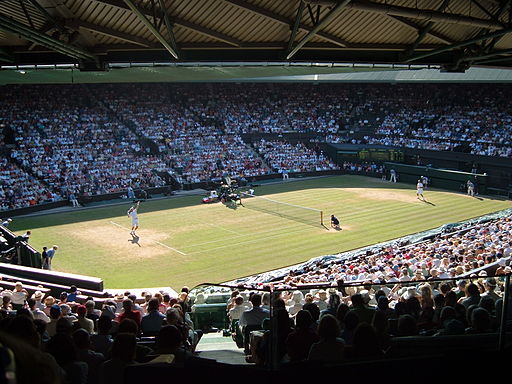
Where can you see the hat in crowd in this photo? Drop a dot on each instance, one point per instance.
(38, 295)
(482, 273)
(410, 292)
(491, 281)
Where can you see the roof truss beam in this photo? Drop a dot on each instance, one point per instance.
(417, 28)
(461, 44)
(27, 15)
(423, 14)
(177, 21)
(112, 33)
(168, 25)
(321, 23)
(13, 26)
(152, 28)
(296, 24)
(47, 16)
(283, 20)
(424, 31)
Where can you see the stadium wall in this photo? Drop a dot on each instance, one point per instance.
(498, 169)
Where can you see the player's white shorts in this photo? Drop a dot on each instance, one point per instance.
(419, 191)
(135, 222)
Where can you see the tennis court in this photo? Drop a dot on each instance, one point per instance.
(183, 242)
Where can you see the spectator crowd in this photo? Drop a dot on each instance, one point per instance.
(87, 140)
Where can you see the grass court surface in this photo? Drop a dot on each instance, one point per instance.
(183, 242)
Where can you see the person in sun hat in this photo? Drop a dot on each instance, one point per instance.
(38, 298)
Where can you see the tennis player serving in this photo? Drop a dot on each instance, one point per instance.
(132, 212)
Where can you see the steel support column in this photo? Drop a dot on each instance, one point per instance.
(296, 24)
(168, 25)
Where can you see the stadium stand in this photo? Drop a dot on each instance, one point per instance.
(127, 135)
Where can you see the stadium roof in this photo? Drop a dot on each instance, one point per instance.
(68, 74)
(452, 34)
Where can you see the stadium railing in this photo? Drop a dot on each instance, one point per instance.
(52, 277)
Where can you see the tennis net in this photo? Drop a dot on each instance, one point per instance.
(288, 211)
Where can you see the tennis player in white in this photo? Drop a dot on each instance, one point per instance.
(419, 190)
(132, 212)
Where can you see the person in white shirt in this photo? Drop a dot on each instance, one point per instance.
(236, 312)
(19, 295)
(419, 190)
(37, 313)
(132, 212)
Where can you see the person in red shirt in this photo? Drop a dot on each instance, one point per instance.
(129, 313)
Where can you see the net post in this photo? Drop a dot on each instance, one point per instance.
(321, 217)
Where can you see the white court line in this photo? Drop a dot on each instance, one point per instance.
(236, 237)
(247, 242)
(224, 229)
(157, 242)
(174, 249)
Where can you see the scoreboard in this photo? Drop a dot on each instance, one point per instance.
(372, 154)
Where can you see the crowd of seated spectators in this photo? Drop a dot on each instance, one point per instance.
(445, 256)
(77, 340)
(186, 132)
(19, 189)
(283, 156)
(97, 139)
(359, 323)
(364, 167)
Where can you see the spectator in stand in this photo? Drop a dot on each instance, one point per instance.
(37, 313)
(83, 321)
(299, 342)
(123, 354)
(364, 313)
(330, 348)
(255, 315)
(19, 296)
(472, 296)
(152, 322)
(365, 344)
(73, 294)
(62, 348)
(129, 313)
(93, 359)
(102, 342)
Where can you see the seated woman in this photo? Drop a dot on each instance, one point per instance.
(330, 348)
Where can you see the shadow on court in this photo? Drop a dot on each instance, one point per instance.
(428, 202)
(134, 240)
